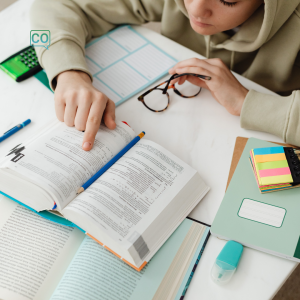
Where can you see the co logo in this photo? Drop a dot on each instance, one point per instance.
(40, 38)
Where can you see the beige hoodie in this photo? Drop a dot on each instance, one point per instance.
(264, 50)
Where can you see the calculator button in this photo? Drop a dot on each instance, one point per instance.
(25, 62)
(29, 65)
(22, 54)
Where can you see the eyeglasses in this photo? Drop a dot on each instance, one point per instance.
(157, 99)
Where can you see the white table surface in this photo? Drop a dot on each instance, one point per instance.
(199, 131)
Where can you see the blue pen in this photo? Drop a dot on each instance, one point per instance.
(110, 163)
(14, 130)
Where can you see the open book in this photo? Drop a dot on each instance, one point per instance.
(42, 260)
(131, 209)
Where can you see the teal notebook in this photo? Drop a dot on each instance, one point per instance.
(123, 63)
(268, 222)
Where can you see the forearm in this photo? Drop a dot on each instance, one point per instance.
(273, 114)
(73, 23)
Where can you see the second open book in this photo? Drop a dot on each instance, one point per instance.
(131, 209)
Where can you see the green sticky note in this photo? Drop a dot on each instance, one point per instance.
(272, 165)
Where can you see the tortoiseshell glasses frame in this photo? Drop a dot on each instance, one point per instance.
(171, 86)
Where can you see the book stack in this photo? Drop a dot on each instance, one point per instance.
(126, 234)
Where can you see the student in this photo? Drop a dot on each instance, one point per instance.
(257, 39)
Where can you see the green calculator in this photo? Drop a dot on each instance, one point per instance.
(22, 64)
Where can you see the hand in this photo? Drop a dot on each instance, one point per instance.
(78, 103)
(224, 87)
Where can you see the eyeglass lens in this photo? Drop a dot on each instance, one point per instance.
(158, 101)
(187, 89)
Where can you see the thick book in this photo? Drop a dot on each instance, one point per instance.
(42, 260)
(131, 209)
(267, 222)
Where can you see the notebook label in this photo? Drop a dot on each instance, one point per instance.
(262, 212)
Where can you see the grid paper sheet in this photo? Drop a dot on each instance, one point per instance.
(123, 63)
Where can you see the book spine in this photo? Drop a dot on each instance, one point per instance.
(194, 268)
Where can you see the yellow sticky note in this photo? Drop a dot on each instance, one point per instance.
(276, 179)
(269, 157)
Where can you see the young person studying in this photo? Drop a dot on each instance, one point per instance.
(254, 38)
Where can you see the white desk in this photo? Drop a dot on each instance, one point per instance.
(198, 130)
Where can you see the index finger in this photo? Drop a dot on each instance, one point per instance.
(93, 123)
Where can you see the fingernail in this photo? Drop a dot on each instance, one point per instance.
(87, 145)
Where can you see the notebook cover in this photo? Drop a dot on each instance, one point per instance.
(258, 230)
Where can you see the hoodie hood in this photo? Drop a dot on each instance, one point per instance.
(258, 29)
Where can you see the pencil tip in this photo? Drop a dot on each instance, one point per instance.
(80, 191)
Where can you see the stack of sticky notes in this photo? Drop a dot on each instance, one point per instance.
(276, 168)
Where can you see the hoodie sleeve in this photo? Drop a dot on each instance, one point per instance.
(73, 23)
(273, 114)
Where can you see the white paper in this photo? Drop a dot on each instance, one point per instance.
(123, 63)
(93, 68)
(97, 274)
(105, 52)
(100, 86)
(262, 212)
(156, 64)
(34, 252)
(122, 79)
(58, 163)
(132, 193)
(128, 39)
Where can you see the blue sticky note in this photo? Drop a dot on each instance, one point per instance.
(268, 150)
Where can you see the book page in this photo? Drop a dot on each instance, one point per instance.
(34, 252)
(57, 162)
(126, 199)
(97, 274)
